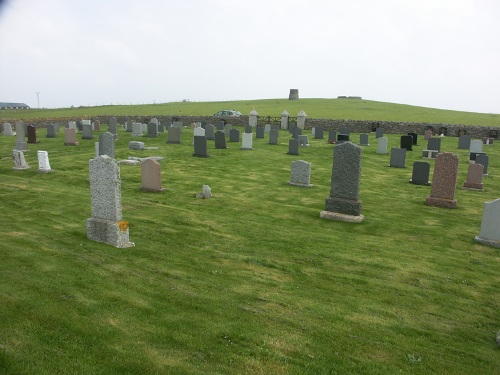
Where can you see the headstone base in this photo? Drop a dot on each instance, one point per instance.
(487, 242)
(22, 146)
(472, 186)
(153, 190)
(112, 233)
(419, 182)
(343, 206)
(45, 170)
(300, 185)
(440, 202)
(246, 148)
(72, 144)
(341, 217)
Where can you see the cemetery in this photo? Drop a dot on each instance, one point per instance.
(303, 260)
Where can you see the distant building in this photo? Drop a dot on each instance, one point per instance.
(13, 106)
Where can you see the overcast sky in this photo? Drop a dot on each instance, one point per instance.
(432, 53)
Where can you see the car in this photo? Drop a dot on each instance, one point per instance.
(227, 112)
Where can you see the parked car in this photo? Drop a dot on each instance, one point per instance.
(227, 112)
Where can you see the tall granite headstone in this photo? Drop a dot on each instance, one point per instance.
(200, 146)
(474, 178)
(398, 158)
(420, 173)
(21, 143)
(490, 224)
(444, 181)
(173, 135)
(483, 159)
(220, 140)
(19, 160)
(107, 144)
(273, 136)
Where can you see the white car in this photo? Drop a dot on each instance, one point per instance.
(227, 112)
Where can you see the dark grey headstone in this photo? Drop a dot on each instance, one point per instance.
(259, 132)
(464, 142)
(107, 144)
(379, 133)
(319, 133)
(51, 131)
(128, 125)
(161, 128)
(234, 135)
(415, 138)
(473, 155)
(209, 132)
(173, 135)
(434, 143)
(398, 157)
(363, 139)
(296, 132)
(293, 147)
(220, 139)
(345, 182)
(220, 125)
(332, 136)
(291, 128)
(483, 159)
(273, 136)
(406, 142)
(152, 130)
(420, 173)
(342, 138)
(87, 132)
(345, 130)
(248, 129)
(200, 146)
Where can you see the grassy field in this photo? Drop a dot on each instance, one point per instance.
(355, 109)
(251, 281)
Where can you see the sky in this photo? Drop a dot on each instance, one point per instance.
(432, 53)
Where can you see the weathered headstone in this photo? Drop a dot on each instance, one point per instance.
(151, 176)
(113, 126)
(253, 117)
(79, 126)
(415, 138)
(267, 128)
(178, 124)
(473, 156)
(301, 120)
(483, 159)
(220, 140)
(32, 134)
(273, 136)
(246, 141)
(137, 129)
(87, 131)
(136, 145)
(379, 133)
(43, 162)
(300, 173)
(476, 146)
(21, 144)
(248, 129)
(464, 142)
(293, 147)
(303, 140)
(7, 129)
(227, 130)
(107, 144)
(234, 135)
(398, 157)
(152, 129)
(19, 160)
(490, 224)
(259, 132)
(474, 178)
(206, 192)
(71, 125)
(220, 125)
(209, 132)
(200, 146)
(284, 119)
(296, 132)
(363, 140)
(70, 137)
(420, 173)
(344, 204)
(106, 224)
(487, 141)
(434, 143)
(161, 128)
(128, 125)
(345, 130)
(319, 133)
(51, 131)
(427, 134)
(382, 145)
(406, 142)
(332, 136)
(173, 135)
(97, 125)
(444, 181)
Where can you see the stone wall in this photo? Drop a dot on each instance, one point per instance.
(356, 126)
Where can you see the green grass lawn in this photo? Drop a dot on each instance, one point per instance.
(251, 281)
(354, 109)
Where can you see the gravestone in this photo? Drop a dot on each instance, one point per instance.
(284, 119)
(137, 129)
(296, 132)
(420, 173)
(293, 147)
(319, 133)
(87, 131)
(430, 154)
(406, 142)
(173, 135)
(344, 204)
(345, 130)
(253, 117)
(246, 141)
(234, 135)
(483, 159)
(151, 176)
(220, 125)
(128, 125)
(398, 157)
(444, 181)
(332, 136)
(275, 127)
(341, 138)
(21, 144)
(273, 136)
(178, 124)
(227, 130)
(476, 145)
(209, 132)
(206, 192)
(493, 134)
(71, 125)
(301, 120)
(106, 224)
(19, 160)
(259, 132)
(267, 128)
(152, 129)
(434, 144)
(161, 128)
(200, 146)
(107, 144)
(300, 173)
(220, 140)
(487, 141)
(43, 162)
(427, 134)
(97, 125)
(7, 129)
(473, 156)
(51, 131)
(474, 178)
(382, 145)
(489, 233)
(32, 134)
(303, 140)
(363, 140)
(464, 142)
(415, 138)
(79, 126)
(96, 149)
(379, 133)
(70, 137)
(136, 145)
(113, 127)
(248, 129)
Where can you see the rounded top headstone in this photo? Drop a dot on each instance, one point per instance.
(253, 112)
(285, 113)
